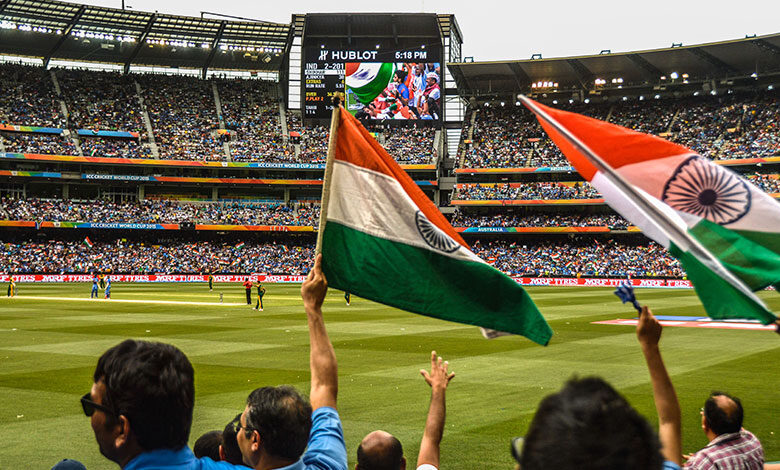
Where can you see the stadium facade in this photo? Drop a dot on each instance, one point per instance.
(184, 132)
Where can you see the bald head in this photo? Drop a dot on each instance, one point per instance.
(723, 413)
(380, 450)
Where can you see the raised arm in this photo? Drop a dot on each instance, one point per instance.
(438, 379)
(322, 358)
(648, 331)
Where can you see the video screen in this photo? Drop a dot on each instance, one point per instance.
(405, 90)
(377, 84)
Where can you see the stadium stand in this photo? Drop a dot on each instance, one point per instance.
(160, 212)
(27, 97)
(526, 191)
(58, 256)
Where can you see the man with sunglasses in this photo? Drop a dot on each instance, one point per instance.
(278, 424)
(142, 399)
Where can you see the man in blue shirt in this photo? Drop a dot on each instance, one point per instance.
(141, 404)
(278, 424)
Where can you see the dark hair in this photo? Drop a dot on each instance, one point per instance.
(723, 420)
(401, 74)
(152, 385)
(588, 425)
(230, 444)
(386, 458)
(282, 417)
(207, 445)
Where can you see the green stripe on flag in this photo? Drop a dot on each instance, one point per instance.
(366, 93)
(754, 264)
(423, 281)
(720, 299)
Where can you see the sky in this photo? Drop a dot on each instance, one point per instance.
(510, 30)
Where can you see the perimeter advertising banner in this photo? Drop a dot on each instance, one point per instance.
(239, 278)
(230, 278)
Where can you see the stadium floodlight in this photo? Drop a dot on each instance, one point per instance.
(625, 98)
(204, 46)
(641, 98)
(674, 75)
(663, 77)
(696, 93)
(685, 75)
(487, 104)
(657, 97)
(754, 75)
(555, 101)
(322, 46)
(770, 87)
(377, 46)
(571, 101)
(714, 92)
(422, 47)
(503, 104)
(517, 103)
(587, 100)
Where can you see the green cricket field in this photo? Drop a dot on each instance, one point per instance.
(51, 336)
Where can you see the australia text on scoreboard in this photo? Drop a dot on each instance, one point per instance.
(324, 71)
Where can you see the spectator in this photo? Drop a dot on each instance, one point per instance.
(731, 446)
(208, 445)
(278, 425)
(141, 405)
(588, 425)
(229, 450)
(380, 450)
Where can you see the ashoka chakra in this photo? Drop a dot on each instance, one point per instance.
(702, 188)
(433, 235)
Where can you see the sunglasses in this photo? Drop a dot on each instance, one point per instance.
(90, 406)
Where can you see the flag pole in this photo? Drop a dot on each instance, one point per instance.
(671, 230)
(326, 179)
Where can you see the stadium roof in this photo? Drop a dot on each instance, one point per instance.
(651, 68)
(52, 29)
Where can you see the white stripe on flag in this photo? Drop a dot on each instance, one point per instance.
(376, 204)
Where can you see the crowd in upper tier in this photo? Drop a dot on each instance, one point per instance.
(728, 126)
(586, 257)
(189, 118)
(160, 212)
(526, 191)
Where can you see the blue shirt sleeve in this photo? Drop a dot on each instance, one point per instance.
(327, 449)
(670, 466)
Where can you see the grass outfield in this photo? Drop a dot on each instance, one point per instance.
(50, 340)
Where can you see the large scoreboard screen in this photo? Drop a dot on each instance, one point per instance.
(377, 84)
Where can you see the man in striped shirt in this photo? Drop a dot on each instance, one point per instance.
(731, 446)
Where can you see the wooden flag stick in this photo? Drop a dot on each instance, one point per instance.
(334, 128)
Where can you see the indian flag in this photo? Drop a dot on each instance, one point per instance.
(88, 242)
(724, 230)
(240, 246)
(384, 240)
(367, 79)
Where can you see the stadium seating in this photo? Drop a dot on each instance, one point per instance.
(160, 212)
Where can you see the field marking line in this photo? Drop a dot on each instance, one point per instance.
(135, 301)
